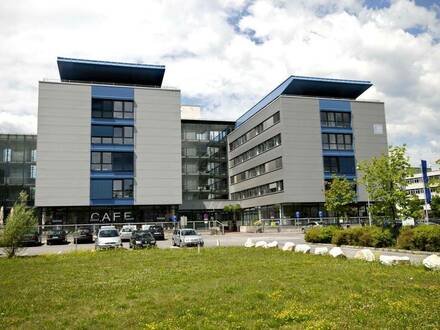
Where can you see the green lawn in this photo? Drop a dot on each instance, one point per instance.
(220, 288)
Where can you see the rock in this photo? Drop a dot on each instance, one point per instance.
(365, 254)
(303, 248)
(249, 243)
(273, 244)
(289, 246)
(337, 252)
(261, 244)
(393, 260)
(321, 251)
(432, 262)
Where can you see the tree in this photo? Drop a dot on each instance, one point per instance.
(339, 196)
(435, 206)
(414, 208)
(19, 223)
(385, 180)
(232, 208)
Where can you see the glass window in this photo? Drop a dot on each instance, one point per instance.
(117, 131)
(128, 106)
(117, 184)
(96, 157)
(107, 157)
(118, 106)
(128, 132)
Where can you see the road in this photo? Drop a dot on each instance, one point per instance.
(229, 239)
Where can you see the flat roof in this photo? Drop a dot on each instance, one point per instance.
(311, 87)
(81, 70)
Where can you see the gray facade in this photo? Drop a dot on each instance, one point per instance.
(63, 159)
(157, 148)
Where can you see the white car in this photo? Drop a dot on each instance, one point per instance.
(126, 232)
(108, 237)
(186, 237)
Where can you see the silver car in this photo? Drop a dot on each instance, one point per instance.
(108, 237)
(186, 237)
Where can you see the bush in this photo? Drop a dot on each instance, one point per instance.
(364, 236)
(321, 234)
(425, 238)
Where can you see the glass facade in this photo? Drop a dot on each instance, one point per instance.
(18, 155)
(204, 159)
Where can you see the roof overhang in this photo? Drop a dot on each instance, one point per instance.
(80, 70)
(310, 87)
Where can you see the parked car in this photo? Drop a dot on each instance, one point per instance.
(56, 236)
(186, 237)
(141, 239)
(157, 232)
(310, 225)
(108, 237)
(83, 235)
(31, 239)
(126, 232)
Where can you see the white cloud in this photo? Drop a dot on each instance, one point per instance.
(227, 66)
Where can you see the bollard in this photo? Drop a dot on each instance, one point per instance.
(218, 242)
(198, 248)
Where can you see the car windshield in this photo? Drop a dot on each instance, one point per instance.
(57, 232)
(126, 229)
(142, 234)
(108, 233)
(189, 232)
(156, 228)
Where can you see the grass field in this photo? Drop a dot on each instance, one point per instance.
(220, 288)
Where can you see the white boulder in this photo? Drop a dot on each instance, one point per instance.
(393, 260)
(289, 246)
(337, 252)
(303, 248)
(249, 243)
(365, 254)
(321, 251)
(273, 244)
(261, 244)
(432, 262)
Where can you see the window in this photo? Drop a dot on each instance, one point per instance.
(332, 141)
(335, 119)
(33, 173)
(339, 165)
(257, 150)
(272, 120)
(122, 188)
(101, 161)
(33, 155)
(7, 153)
(266, 189)
(112, 109)
(270, 166)
(112, 161)
(112, 134)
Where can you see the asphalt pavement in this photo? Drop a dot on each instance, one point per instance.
(229, 239)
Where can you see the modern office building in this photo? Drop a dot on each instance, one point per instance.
(113, 147)
(415, 185)
(285, 148)
(109, 144)
(17, 168)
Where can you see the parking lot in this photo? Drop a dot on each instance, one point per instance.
(228, 239)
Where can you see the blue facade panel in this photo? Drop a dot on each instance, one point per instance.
(114, 121)
(101, 189)
(111, 175)
(98, 130)
(106, 202)
(336, 130)
(113, 147)
(334, 105)
(115, 93)
(336, 153)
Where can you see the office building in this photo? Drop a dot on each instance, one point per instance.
(114, 145)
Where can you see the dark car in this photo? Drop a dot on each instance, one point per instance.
(83, 235)
(141, 239)
(31, 239)
(157, 232)
(56, 237)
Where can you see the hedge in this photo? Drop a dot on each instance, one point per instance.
(364, 236)
(424, 237)
(321, 234)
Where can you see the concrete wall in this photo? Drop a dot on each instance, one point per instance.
(63, 146)
(302, 150)
(367, 141)
(158, 168)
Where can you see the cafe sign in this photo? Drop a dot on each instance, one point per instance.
(108, 217)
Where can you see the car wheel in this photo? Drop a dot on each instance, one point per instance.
(180, 244)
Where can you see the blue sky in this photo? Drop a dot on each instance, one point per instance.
(227, 54)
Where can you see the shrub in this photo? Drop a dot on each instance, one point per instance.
(321, 234)
(364, 236)
(425, 238)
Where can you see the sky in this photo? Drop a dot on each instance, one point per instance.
(225, 55)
